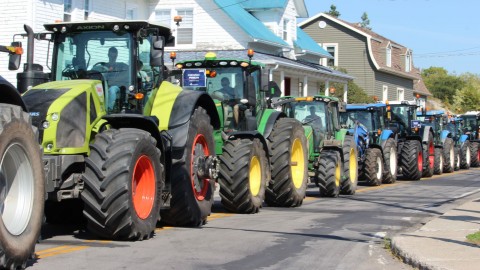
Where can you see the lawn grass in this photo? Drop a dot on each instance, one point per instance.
(474, 238)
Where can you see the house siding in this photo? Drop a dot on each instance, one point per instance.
(393, 82)
(352, 51)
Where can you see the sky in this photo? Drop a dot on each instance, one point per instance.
(440, 33)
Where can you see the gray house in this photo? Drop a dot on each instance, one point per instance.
(382, 67)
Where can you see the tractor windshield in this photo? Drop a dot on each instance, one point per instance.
(224, 84)
(309, 113)
(470, 122)
(99, 55)
(403, 114)
(366, 118)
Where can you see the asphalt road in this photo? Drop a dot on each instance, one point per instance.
(349, 232)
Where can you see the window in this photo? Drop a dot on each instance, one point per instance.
(400, 94)
(185, 29)
(388, 56)
(67, 10)
(332, 49)
(385, 93)
(86, 10)
(285, 29)
(408, 61)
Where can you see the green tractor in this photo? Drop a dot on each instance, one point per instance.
(262, 153)
(333, 152)
(129, 151)
(21, 174)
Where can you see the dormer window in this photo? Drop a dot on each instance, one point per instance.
(388, 55)
(408, 61)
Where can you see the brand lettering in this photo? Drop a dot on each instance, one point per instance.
(34, 114)
(90, 27)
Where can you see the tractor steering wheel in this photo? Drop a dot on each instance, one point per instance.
(100, 66)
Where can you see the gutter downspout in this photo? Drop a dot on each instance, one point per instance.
(270, 73)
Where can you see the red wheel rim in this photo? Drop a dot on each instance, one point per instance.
(200, 150)
(431, 155)
(420, 161)
(478, 155)
(143, 187)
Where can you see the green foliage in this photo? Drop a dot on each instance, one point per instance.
(365, 23)
(333, 11)
(441, 84)
(474, 238)
(467, 98)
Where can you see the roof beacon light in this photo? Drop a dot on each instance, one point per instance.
(210, 56)
(250, 53)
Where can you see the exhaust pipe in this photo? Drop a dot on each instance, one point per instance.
(30, 48)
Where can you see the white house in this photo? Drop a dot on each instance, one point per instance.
(226, 26)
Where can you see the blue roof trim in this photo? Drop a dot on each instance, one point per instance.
(305, 42)
(264, 4)
(432, 112)
(251, 25)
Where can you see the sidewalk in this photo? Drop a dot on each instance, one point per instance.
(442, 243)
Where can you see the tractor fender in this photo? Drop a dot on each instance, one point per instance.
(426, 131)
(463, 138)
(340, 135)
(445, 134)
(10, 95)
(268, 120)
(386, 134)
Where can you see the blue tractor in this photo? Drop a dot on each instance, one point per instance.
(378, 145)
(443, 138)
(463, 145)
(471, 128)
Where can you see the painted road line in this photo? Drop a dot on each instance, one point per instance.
(42, 254)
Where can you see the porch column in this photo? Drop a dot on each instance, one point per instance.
(327, 87)
(345, 89)
(305, 86)
(282, 82)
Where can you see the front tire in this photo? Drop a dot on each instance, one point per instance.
(192, 194)
(412, 160)
(289, 164)
(373, 167)
(429, 155)
(123, 182)
(391, 162)
(465, 155)
(474, 154)
(438, 168)
(22, 188)
(329, 173)
(350, 166)
(244, 171)
(448, 156)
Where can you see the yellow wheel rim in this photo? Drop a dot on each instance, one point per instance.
(255, 176)
(297, 164)
(338, 174)
(353, 166)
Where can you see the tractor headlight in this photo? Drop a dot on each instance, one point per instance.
(55, 116)
(45, 124)
(49, 147)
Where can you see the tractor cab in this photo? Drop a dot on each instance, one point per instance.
(126, 56)
(471, 125)
(234, 84)
(403, 118)
(438, 120)
(372, 116)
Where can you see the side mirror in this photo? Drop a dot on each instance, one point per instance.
(156, 52)
(14, 59)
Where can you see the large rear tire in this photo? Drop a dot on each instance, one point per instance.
(350, 166)
(456, 150)
(429, 156)
(192, 194)
(22, 188)
(448, 156)
(465, 155)
(411, 159)
(289, 164)
(391, 162)
(123, 182)
(329, 173)
(474, 154)
(438, 168)
(244, 171)
(373, 167)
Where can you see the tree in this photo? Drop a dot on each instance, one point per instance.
(468, 97)
(333, 11)
(365, 21)
(441, 84)
(355, 94)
